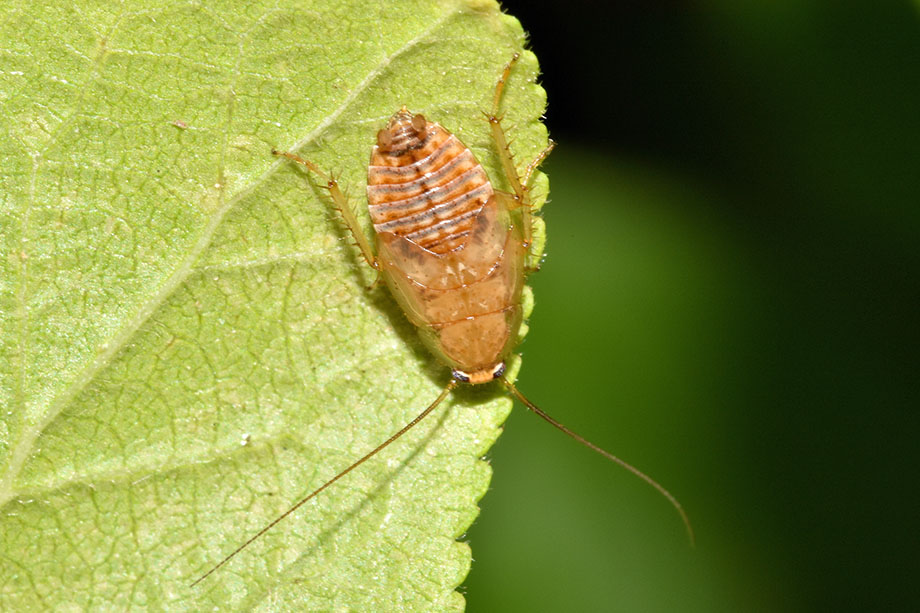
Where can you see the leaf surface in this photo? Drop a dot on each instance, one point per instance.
(186, 342)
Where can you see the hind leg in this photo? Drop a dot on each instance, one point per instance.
(340, 202)
(519, 185)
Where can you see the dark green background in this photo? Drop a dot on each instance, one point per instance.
(730, 302)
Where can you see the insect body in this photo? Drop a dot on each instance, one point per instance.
(452, 251)
(445, 246)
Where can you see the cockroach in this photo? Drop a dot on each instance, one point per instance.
(452, 251)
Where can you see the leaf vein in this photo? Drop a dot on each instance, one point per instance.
(186, 267)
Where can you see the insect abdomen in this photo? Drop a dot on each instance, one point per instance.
(423, 184)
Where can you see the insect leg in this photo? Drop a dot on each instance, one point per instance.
(528, 172)
(340, 202)
(519, 186)
(498, 135)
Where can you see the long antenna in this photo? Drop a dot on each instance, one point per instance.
(606, 454)
(450, 386)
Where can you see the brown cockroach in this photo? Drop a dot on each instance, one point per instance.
(452, 251)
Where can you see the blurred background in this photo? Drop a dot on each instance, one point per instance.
(729, 302)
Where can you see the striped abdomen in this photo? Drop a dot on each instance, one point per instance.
(424, 184)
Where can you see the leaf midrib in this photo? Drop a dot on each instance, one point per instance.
(117, 341)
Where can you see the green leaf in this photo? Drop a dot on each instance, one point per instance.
(186, 342)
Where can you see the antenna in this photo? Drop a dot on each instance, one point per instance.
(606, 454)
(447, 389)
